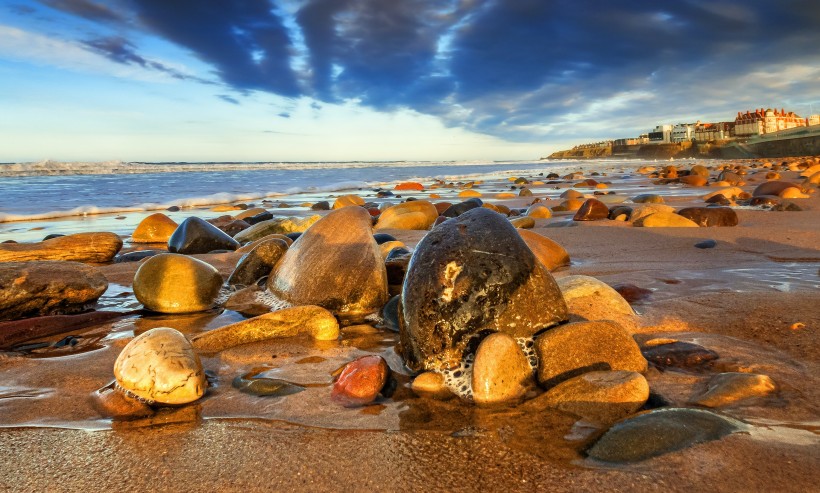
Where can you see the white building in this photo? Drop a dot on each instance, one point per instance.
(814, 120)
(662, 134)
(683, 132)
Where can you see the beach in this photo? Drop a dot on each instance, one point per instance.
(746, 296)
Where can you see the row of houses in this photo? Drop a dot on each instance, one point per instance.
(751, 123)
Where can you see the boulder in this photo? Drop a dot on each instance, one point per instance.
(664, 220)
(161, 366)
(278, 225)
(196, 235)
(592, 210)
(174, 283)
(710, 216)
(156, 228)
(576, 348)
(547, 251)
(258, 262)
(539, 211)
(731, 388)
(80, 247)
(456, 210)
(30, 289)
(501, 371)
(639, 212)
(472, 274)
(589, 298)
(347, 201)
(416, 214)
(336, 264)
(648, 198)
(311, 320)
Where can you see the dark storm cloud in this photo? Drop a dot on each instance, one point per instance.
(520, 69)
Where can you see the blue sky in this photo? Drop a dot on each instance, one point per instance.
(293, 80)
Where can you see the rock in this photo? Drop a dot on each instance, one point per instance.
(793, 193)
(787, 206)
(385, 249)
(174, 283)
(111, 403)
(772, 188)
(225, 208)
(29, 289)
(648, 198)
(14, 332)
(710, 216)
(264, 387)
(336, 264)
(569, 205)
(456, 210)
(658, 432)
(196, 235)
(156, 228)
(501, 372)
(576, 348)
(396, 264)
(694, 180)
(161, 366)
(731, 388)
(390, 314)
(383, 238)
(665, 220)
(539, 211)
(252, 212)
(524, 222)
(80, 247)
(311, 320)
(641, 211)
(699, 170)
(417, 214)
(431, 385)
(247, 247)
(347, 201)
(592, 210)
(279, 225)
(409, 185)
(589, 298)
(505, 195)
(706, 244)
(258, 262)
(360, 381)
(547, 251)
(321, 206)
(601, 397)
(467, 275)
(136, 256)
(469, 193)
(728, 193)
(229, 225)
(678, 354)
(247, 302)
(525, 192)
(571, 194)
(632, 293)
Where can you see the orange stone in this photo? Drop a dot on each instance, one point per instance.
(360, 381)
(409, 185)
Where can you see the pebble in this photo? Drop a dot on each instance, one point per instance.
(431, 385)
(547, 251)
(417, 214)
(601, 397)
(160, 366)
(469, 274)
(592, 210)
(156, 228)
(576, 348)
(360, 381)
(265, 387)
(258, 262)
(648, 198)
(111, 403)
(659, 432)
(710, 216)
(80, 247)
(569, 205)
(252, 212)
(772, 188)
(195, 235)
(706, 244)
(694, 180)
(174, 283)
(336, 264)
(29, 289)
(311, 320)
(501, 371)
(726, 389)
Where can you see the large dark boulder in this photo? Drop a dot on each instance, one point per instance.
(196, 235)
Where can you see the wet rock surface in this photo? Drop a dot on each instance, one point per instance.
(196, 235)
(710, 216)
(174, 283)
(468, 275)
(257, 263)
(501, 371)
(679, 354)
(80, 247)
(156, 228)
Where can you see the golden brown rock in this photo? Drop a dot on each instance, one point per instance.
(501, 372)
(416, 214)
(548, 252)
(174, 283)
(156, 228)
(314, 321)
(80, 247)
(431, 384)
(336, 264)
(161, 366)
(347, 201)
(539, 211)
(524, 222)
(665, 220)
(589, 298)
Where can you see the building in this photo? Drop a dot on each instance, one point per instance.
(708, 132)
(683, 132)
(766, 121)
(632, 141)
(662, 134)
(813, 120)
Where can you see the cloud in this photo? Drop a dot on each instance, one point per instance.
(525, 70)
(228, 99)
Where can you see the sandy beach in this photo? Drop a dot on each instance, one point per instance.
(751, 297)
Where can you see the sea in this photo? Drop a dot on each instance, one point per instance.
(54, 197)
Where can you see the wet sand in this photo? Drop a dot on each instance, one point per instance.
(741, 299)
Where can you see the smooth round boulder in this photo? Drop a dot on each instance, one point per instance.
(648, 198)
(409, 185)
(431, 385)
(347, 201)
(160, 366)
(524, 222)
(547, 251)
(731, 388)
(573, 349)
(470, 274)
(539, 211)
(469, 193)
(257, 263)
(156, 228)
(710, 216)
(277, 225)
(174, 283)
(589, 298)
(694, 180)
(772, 188)
(665, 220)
(456, 210)
(196, 235)
(79, 247)
(336, 264)
(592, 210)
(416, 214)
(569, 205)
(638, 212)
(501, 371)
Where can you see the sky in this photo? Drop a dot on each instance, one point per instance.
(343, 80)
